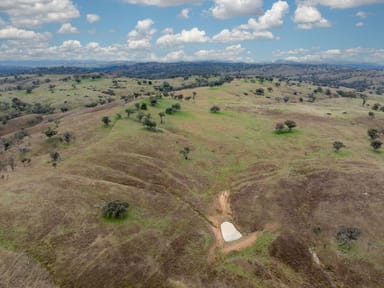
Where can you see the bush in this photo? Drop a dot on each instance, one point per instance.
(373, 133)
(290, 124)
(106, 120)
(279, 127)
(50, 132)
(337, 145)
(376, 144)
(215, 109)
(345, 236)
(115, 209)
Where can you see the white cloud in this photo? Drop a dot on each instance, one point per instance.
(236, 35)
(141, 36)
(351, 55)
(67, 28)
(162, 3)
(256, 29)
(13, 33)
(174, 56)
(92, 18)
(308, 17)
(224, 9)
(167, 31)
(340, 4)
(185, 36)
(230, 53)
(184, 14)
(361, 14)
(359, 24)
(271, 19)
(34, 13)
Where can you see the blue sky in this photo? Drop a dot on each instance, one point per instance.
(315, 31)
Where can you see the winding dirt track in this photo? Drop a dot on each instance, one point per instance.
(221, 211)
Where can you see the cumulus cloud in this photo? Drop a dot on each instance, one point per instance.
(340, 4)
(28, 13)
(141, 36)
(308, 17)
(272, 18)
(184, 14)
(256, 28)
(185, 36)
(359, 24)
(13, 33)
(67, 28)
(224, 9)
(357, 54)
(236, 35)
(92, 18)
(174, 56)
(361, 14)
(230, 53)
(161, 3)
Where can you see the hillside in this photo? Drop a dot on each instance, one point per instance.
(310, 216)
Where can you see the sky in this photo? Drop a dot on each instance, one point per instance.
(254, 31)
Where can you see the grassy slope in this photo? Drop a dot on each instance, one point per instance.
(294, 181)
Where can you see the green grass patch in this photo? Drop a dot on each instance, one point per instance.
(287, 132)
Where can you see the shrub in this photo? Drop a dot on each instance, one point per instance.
(50, 132)
(106, 120)
(279, 127)
(176, 107)
(376, 144)
(373, 133)
(215, 109)
(337, 145)
(371, 114)
(169, 110)
(115, 209)
(346, 235)
(290, 124)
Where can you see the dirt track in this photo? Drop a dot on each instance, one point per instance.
(221, 211)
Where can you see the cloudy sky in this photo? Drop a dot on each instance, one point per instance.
(188, 30)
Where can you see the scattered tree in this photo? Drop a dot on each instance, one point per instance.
(373, 133)
(290, 124)
(185, 152)
(150, 124)
(337, 145)
(279, 127)
(129, 112)
(67, 137)
(286, 99)
(115, 209)
(106, 120)
(161, 115)
(371, 114)
(215, 109)
(50, 132)
(376, 144)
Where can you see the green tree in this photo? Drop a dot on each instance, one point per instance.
(150, 124)
(106, 120)
(115, 209)
(373, 133)
(185, 152)
(129, 112)
(215, 109)
(161, 115)
(337, 145)
(50, 132)
(55, 156)
(376, 144)
(67, 137)
(137, 105)
(290, 124)
(176, 107)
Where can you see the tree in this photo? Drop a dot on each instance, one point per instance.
(50, 132)
(161, 115)
(376, 106)
(290, 124)
(185, 152)
(337, 145)
(376, 144)
(279, 127)
(215, 109)
(140, 115)
(67, 137)
(169, 110)
(106, 120)
(115, 209)
(371, 114)
(55, 156)
(143, 106)
(129, 112)
(176, 107)
(286, 99)
(150, 124)
(373, 133)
